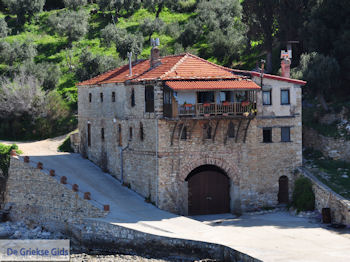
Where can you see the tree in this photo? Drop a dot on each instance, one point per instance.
(3, 28)
(109, 35)
(48, 74)
(118, 6)
(129, 42)
(261, 17)
(148, 27)
(21, 96)
(16, 52)
(327, 32)
(92, 65)
(72, 24)
(74, 4)
(24, 8)
(219, 24)
(322, 74)
(158, 5)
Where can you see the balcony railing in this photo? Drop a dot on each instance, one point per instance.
(214, 109)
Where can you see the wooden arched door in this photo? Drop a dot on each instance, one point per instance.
(283, 191)
(208, 193)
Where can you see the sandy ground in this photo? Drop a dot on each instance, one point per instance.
(275, 236)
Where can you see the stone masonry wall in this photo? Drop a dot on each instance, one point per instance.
(326, 197)
(99, 235)
(35, 197)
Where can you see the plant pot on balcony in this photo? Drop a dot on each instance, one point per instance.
(206, 104)
(245, 103)
(187, 105)
(226, 103)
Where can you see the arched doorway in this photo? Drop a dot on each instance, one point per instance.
(283, 191)
(208, 191)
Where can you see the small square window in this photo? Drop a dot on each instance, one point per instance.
(113, 97)
(101, 97)
(130, 133)
(267, 135)
(285, 97)
(285, 134)
(90, 97)
(267, 97)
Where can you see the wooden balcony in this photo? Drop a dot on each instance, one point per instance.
(212, 109)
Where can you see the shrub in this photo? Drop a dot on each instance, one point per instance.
(148, 27)
(5, 157)
(65, 146)
(74, 4)
(72, 24)
(303, 195)
(109, 34)
(3, 28)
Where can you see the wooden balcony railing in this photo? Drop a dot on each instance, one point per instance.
(213, 109)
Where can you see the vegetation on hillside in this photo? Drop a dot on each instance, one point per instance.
(303, 195)
(47, 46)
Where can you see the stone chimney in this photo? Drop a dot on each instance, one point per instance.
(155, 53)
(285, 67)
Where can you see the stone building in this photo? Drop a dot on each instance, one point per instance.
(194, 137)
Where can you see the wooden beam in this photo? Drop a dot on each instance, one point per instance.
(173, 134)
(182, 129)
(239, 126)
(192, 128)
(216, 127)
(246, 130)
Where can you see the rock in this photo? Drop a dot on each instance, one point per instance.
(345, 176)
(334, 154)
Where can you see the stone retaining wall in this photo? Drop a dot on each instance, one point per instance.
(35, 196)
(104, 236)
(326, 197)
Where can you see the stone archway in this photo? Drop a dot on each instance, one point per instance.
(231, 170)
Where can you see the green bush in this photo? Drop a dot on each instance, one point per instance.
(303, 196)
(5, 157)
(65, 146)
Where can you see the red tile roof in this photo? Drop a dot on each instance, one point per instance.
(223, 84)
(181, 67)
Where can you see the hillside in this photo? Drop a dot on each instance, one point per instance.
(46, 48)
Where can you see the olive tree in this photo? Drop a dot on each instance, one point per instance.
(72, 24)
(3, 28)
(16, 52)
(74, 4)
(24, 8)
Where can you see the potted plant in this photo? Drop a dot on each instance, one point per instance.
(206, 104)
(187, 104)
(245, 103)
(226, 103)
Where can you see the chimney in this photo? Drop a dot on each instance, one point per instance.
(285, 63)
(155, 53)
(130, 63)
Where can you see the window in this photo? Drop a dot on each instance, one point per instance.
(90, 97)
(132, 97)
(102, 134)
(101, 97)
(285, 134)
(267, 97)
(130, 133)
(231, 130)
(267, 135)
(89, 134)
(120, 135)
(285, 97)
(149, 98)
(142, 135)
(113, 97)
(205, 97)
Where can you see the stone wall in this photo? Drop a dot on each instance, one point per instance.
(329, 146)
(326, 197)
(99, 235)
(36, 197)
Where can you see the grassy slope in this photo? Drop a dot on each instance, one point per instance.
(53, 48)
